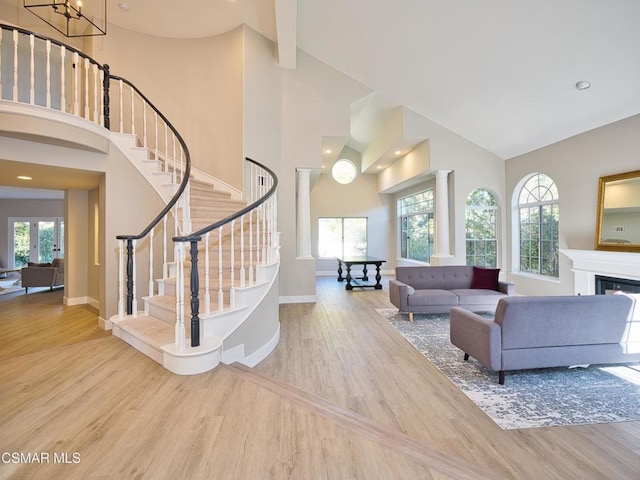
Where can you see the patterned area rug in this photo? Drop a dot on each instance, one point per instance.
(529, 398)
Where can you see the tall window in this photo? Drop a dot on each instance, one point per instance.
(342, 237)
(481, 228)
(539, 218)
(417, 226)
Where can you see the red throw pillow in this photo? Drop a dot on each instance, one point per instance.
(485, 278)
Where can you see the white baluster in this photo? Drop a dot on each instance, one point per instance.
(63, 86)
(176, 177)
(180, 331)
(151, 234)
(220, 291)
(251, 276)
(133, 110)
(207, 290)
(135, 300)
(87, 110)
(15, 65)
(121, 107)
(96, 94)
(32, 76)
(156, 133)
(242, 267)
(166, 152)
(99, 94)
(76, 84)
(165, 266)
(121, 309)
(48, 94)
(232, 291)
(144, 122)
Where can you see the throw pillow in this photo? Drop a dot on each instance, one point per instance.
(485, 278)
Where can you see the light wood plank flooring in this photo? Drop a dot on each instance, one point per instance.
(342, 396)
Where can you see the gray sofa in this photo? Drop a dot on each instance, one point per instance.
(550, 331)
(435, 289)
(43, 274)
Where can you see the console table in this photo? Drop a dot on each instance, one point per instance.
(348, 262)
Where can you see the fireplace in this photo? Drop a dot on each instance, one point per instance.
(617, 268)
(609, 285)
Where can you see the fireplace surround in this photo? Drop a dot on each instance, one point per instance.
(623, 267)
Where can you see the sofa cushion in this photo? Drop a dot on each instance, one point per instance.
(432, 297)
(476, 296)
(436, 277)
(34, 264)
(486, 278)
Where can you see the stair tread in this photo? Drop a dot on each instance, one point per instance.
(151, 330)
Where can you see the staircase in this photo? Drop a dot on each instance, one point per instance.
(234, 244)
(225, 276)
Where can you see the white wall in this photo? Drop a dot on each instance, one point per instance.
(357, 199)
(575, 165)
(195, 83)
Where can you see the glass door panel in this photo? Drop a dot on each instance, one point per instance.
(21, 243)
(46, 241)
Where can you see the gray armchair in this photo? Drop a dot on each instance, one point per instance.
(43, 275)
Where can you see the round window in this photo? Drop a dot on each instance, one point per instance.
(344, 171)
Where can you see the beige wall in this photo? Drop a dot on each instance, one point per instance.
(195, 83)
(94, 241)
(357, 199)
(575, 165)
(76, 239)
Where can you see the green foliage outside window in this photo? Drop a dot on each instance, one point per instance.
(22, 241)
(539, 232)
(417, 226)
(481, 229)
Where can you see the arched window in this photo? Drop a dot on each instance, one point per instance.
(481, 228)
(538, 226)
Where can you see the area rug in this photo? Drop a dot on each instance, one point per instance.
(529, 398)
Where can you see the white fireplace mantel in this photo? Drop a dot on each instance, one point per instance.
(586, 264)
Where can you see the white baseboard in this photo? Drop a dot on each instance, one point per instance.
(81, 301)
(235, 354)
(298, 299)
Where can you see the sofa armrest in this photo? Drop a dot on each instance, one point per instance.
(507, 288)
(476, 336)
(398, 293)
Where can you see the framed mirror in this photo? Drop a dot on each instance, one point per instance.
(618, 216)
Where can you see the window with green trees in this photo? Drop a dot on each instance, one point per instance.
(481, 228)
(539, 216)
(417, 226)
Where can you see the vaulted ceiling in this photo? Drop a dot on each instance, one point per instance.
(501, 73)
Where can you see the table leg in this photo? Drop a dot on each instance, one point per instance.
(340, 278)
(364, 273)
(349, 286)
(378, 277)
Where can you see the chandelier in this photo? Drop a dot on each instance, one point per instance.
(72, 19)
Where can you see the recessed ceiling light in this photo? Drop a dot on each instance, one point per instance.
(124, 6)
(328, 150)
(24, 177)
(398, 152)
(583, 85)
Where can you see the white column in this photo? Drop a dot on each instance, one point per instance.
(441, 219)
(304, 213)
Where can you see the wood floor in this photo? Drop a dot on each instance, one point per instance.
(343, 396)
